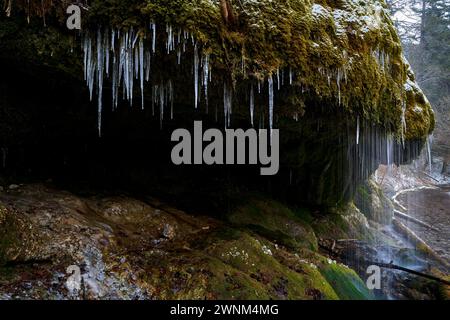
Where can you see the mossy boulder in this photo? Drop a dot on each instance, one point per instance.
(374, 204)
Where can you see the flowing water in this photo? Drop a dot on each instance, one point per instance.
(432, 206)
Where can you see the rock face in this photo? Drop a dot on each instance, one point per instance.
(340, 54)
(374, 203)
(142, 249)
(343, 93)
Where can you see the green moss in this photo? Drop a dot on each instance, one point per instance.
(258, 258)
(276, 222)
(345, 37)
(346, 283)
(7, 234)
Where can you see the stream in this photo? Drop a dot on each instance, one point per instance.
(431, 206)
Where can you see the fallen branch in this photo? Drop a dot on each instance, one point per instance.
(407, 217)
(429, 176)
(388, 266)
(417, 241)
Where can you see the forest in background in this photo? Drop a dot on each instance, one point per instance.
(424, 27)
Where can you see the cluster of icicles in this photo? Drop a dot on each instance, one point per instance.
(126, 56)
(123, 57)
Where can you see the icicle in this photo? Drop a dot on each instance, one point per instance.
(136, 63)
(90, 71)
(270, 81)
(252, 103)
(153, 28)
(100, 62)
(357, 130)
(278, 79)
(169, 43)
(113, 40)
(147, 65)
(196, 65)
(107, 49)
(141, 69)
(206, 78)
(85, 49)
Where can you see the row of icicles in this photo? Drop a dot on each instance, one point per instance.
(126, 56)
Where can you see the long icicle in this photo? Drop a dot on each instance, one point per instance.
(100, 63)
(252, 103)
(196, 65)
(271, 103)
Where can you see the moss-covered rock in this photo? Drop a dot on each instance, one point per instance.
(346, 283)
(345, 55)
(288, 229)
(373, 203)
(125, 251)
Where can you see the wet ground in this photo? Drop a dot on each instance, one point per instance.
(431, 206)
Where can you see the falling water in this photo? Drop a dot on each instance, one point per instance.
(429, 143)
(227, 103)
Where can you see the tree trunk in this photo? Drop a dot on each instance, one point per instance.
(423, 18)
(226, 9)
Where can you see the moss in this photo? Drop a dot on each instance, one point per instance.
(256, 257)
(276, 222)
(346, 222)
(345, 282)
(355, 41)
(7, 235)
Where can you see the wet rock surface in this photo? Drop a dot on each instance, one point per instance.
(57, 245)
